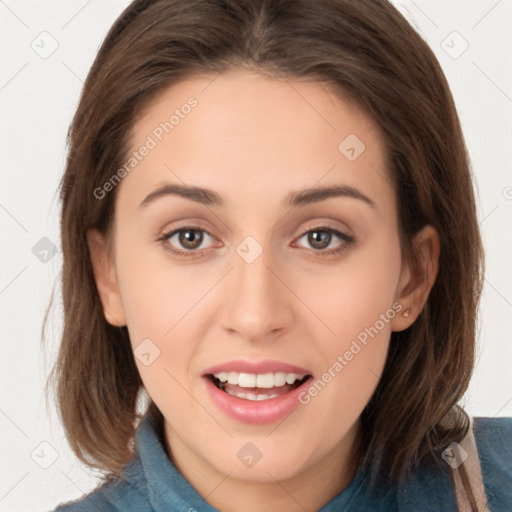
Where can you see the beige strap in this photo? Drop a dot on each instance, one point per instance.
(465, 453)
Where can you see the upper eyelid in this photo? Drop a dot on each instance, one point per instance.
(192, 227)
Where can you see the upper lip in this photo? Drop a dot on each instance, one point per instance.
(259, 367)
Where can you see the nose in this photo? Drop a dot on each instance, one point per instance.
(258, 302)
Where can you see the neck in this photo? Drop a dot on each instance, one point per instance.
(309, 489)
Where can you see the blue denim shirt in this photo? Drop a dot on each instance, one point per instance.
(153, 484)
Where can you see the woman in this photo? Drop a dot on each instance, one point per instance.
(268, 225)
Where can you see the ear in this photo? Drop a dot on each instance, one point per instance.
(417, 279)
(106, 278)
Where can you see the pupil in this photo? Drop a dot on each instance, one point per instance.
(187, 239)
(315, 239)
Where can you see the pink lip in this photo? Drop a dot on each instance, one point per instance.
(251, 411)
(245, 366)
(256, 412)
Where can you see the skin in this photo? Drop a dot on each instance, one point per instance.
(254, 139)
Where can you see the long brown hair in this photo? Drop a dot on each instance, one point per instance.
(367, 51)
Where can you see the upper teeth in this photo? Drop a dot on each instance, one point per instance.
(251, 380)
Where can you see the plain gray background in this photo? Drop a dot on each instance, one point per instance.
(47, 50)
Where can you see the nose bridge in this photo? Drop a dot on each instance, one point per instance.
(257, 304)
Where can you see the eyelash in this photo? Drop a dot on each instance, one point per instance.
(349, 241)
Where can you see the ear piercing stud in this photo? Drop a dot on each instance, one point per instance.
(407, 312)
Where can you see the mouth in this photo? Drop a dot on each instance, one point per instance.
(256, 393)
(257, 387)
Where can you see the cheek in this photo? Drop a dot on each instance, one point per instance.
(161, 303)
(156, 302)
(355, 300)
(354, 356)
(156, 293)
(351, 296)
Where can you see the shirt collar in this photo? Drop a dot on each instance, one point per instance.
(168, 489)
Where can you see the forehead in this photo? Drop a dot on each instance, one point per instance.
(255, 137)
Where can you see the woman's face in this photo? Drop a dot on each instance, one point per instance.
(263, 289)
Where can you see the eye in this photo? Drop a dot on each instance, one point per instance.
(188, 237)
(191, 239)
(321, 237)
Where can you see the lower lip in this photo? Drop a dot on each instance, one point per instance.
(256, 412)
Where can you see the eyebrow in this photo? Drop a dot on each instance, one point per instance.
(297, 198)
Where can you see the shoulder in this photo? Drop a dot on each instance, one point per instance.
(431, 486)
(120, 495)
(493, 438)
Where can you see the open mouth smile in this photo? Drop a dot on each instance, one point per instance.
(254, 397)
